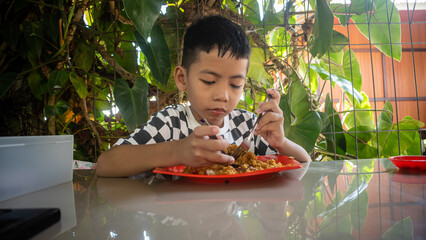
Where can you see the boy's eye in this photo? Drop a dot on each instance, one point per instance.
(207, 82)
(236, 86)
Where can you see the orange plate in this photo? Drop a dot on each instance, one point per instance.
(288, 163)
(409, 162)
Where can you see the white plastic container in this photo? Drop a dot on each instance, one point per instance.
(32, 163)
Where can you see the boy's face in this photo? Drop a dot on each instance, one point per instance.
(213, 84)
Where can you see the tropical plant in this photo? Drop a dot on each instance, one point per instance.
(66, 67)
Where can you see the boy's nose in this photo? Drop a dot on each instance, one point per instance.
(221, 94)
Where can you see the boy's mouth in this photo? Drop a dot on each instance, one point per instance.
(217, 111)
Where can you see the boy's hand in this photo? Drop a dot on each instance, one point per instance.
(199, 150)
(270, 127)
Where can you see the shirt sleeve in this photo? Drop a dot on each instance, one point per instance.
(169, 124)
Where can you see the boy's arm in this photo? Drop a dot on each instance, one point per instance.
(196, 150)
(128, 160)
(290, 148)
(271, 128)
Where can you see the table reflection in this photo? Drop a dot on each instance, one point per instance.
(357, 199)
(207, 211)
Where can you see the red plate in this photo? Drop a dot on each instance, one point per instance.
(289, 163)
(409, 162)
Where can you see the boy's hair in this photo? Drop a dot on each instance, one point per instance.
(214, 31)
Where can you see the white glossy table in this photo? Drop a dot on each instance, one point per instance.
(360, 199)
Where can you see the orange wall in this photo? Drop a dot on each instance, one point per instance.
(383, 79)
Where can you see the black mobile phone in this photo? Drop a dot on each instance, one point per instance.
(26, 222)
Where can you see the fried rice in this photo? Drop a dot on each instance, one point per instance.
(248, 162)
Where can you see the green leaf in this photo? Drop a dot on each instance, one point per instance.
(83, 55)
(415, 149)
(385, 118)
(341, 12)
(359, 6)
(299, 102)
(352, 69)
(6, 81)
(359, 210)
(360, 148)
(389, 141)
(345, 84)
(257, 69)
(400, 230)
(37, 83)
(338, 42)
(323, 28)
(310, 76)
(128, 56)
(306, 131)
(331, 123)
(157, 54)
(132, 102)
(79, 85)
(328, 226)
(383, 32)
(279, 39)
(102, 102)
(56, 110)
(363, 114)
(143, 14)
(58, 78)
(345, 64)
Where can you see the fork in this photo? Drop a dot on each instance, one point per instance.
(245, 145)
(205, 122)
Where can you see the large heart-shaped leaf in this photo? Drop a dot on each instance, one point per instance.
(402, 138)
(392, 143)
(132, 102)
(37, 83)
(345, 84)
(382, 27)
(338, 42)
(83, 54)
(58, 78)
(332, 129)
(323, 28)
(157, 53)
(345, 64)
(78, 84)
(299, 102)
(56, 110)
(360, 148)
(305, 132)
(257, 69)
(361, 113)
(143, 14)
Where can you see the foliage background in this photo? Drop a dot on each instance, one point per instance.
(66, 67)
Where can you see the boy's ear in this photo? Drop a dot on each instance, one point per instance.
(180, 77)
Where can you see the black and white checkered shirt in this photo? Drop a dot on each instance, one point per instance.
(177, 122)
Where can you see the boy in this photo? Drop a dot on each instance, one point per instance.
(213, 73)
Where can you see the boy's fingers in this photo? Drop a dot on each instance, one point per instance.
(269, 119)
(270, 106)
(275, 94)
(202, 131)
(218, 157)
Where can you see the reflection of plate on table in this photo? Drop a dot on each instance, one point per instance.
(287, 162)
(409, 162)
(409, 176)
